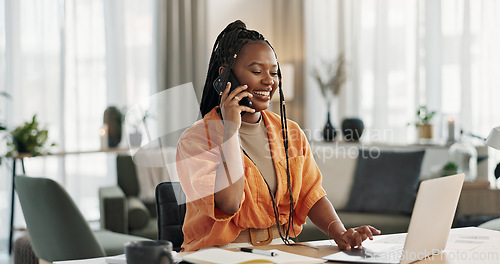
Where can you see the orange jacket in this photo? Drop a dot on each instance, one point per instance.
(198, 155)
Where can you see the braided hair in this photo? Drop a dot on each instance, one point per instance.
(225, 50)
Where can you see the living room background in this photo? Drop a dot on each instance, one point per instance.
(66, 61)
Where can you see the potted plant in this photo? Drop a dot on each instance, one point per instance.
(29, 139)
(3, 126)
(134, 122)
(450, 168)
(331, 76)
(423, 123)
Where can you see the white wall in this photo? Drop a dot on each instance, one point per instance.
(256, 14)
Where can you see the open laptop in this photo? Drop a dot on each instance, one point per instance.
(430, 225)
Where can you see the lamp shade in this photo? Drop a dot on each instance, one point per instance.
(493, 139)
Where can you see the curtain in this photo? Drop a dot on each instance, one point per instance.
(403, 54)
(322, 45)
(66, 61)
(181, 41)
(288, 42)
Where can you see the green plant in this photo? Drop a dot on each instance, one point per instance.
(28, 138)
(2, 125)
(424, 116)
(331, 76)
(449, 168)
(136, 119)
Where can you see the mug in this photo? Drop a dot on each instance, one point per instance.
(149, 252)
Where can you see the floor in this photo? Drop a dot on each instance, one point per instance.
(5, 258)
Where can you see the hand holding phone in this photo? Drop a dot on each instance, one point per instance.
(220, 86)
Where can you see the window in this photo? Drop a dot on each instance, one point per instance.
(66, 61)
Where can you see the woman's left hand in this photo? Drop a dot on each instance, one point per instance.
(353, 237)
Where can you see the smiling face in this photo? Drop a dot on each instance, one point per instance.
(257, 67)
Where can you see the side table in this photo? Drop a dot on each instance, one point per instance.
(478, 203)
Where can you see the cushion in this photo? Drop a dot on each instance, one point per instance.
(138, 213)
(337, 167)
(385, 181)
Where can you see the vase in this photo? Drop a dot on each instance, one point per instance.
(329, 132)
(352, 129)
(113, 118)
(135, 139)
(425, 131)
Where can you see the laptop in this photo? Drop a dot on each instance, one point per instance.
(430, 225)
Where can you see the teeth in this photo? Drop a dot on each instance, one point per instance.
(262, 93)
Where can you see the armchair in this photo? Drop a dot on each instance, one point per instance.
(121, 209)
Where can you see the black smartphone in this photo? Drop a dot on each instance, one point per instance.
(220, 85)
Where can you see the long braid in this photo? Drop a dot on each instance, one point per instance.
(228, 43)
(225, 50)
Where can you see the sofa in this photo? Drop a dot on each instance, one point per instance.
(348, 177)
(122, 208)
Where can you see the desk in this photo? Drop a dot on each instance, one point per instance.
(465, 245)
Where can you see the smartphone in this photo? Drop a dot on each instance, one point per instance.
(220, 85)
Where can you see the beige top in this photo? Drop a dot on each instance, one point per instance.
(255, 142)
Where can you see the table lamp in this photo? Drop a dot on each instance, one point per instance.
(493, 141)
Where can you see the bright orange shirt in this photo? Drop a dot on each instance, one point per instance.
(198, 156)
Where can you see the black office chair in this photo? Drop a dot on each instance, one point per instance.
(171, 209)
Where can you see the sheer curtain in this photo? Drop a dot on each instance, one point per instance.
(181, 37)
(402, 54)
(378, 39)
(66, 61)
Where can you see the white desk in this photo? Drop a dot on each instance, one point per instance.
(465, 245)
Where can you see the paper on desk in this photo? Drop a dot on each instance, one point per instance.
(217, 255)
(83, 261)
(466, 241)
(121, 259)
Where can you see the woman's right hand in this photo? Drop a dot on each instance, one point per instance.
(229, 104)
(230, 179)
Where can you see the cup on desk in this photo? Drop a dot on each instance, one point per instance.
(149, 252)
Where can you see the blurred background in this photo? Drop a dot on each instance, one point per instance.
(67, 61)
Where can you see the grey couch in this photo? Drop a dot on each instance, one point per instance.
(121, 209)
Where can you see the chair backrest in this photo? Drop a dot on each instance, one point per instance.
(57, 229)
(127, 175)
(171, 209)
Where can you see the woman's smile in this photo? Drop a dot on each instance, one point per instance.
(263, 95)
(257, 67)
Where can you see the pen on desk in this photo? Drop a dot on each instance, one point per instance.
(258, 251)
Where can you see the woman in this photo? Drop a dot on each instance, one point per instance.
(248, 174)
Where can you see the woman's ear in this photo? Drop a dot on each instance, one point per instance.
(221, 69)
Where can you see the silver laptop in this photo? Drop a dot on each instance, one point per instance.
(430, 225)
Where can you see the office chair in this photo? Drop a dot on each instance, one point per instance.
(57, 229)
(171, 209)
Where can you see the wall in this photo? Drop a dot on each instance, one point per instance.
(281, 22)
(257, 14)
